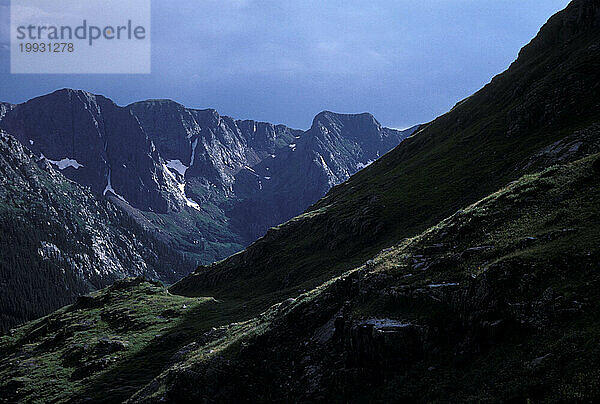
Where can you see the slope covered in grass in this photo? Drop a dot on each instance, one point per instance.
(105, 346)
(499, 302)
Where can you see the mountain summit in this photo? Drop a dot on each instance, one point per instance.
(96, 143)
(193, 184)
(203, 177)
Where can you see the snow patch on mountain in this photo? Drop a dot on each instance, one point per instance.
(178, 166)
(109, 188)
(189, 202)
(193, 157)
(332, 179)
(360, 165)
(172, 180)
(64, 163)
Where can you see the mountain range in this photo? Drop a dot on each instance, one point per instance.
(462, 266)
(203, 178)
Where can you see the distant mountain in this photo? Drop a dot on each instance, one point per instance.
(208, 183)
(206, 146)
(542, 110)
(258, 173)
(335, 147)
(183, 180)
(59, 240)
(98, 144)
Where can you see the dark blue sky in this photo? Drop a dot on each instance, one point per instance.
(283, 61)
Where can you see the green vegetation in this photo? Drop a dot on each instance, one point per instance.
(532, 245)
(181, 229)
(115, 341)
(59, 241)
(501, 300)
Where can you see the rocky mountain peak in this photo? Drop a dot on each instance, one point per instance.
(362, 121)
(96, 143)
(158, 156)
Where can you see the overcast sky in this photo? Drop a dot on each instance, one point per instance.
(283, 61)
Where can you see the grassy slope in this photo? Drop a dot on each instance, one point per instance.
(482, 144)
(516, 320)
(543, 230)
(62, 356)
(182, 230)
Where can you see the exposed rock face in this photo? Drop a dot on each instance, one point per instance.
(235, 178)
(100, 145)
(59, 240)
(4, 108)
(211, 147)
(581, 143)
(336, 147)
(267, 173)
(206, 184)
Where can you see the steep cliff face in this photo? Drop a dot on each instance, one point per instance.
(96, 143)
(208, 146)
(212, 183)
(336, 147)
(343, 144)
(257, 173)
(60, 241)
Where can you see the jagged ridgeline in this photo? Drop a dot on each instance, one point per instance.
(463, 266)
(209, 183)
(544, 108)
